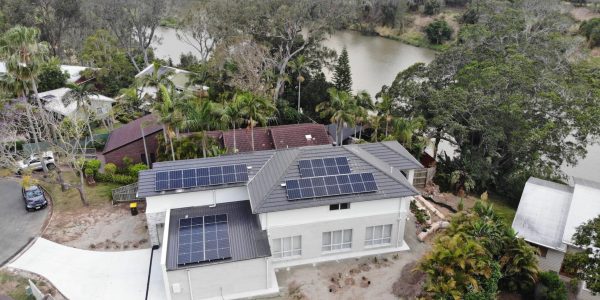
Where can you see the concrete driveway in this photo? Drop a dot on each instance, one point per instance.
(17, 226)
(84, 274)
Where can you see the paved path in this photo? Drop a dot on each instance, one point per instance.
(83, 274)
(17, 226)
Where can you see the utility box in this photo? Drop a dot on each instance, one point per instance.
(133, 208)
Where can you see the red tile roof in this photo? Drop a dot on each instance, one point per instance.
(131, 132)
(262, 139)
(298, 135)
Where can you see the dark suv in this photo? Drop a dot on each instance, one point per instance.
(34, 198)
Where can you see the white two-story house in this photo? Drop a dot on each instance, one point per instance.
(226, 224)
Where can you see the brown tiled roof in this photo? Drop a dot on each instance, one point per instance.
(131, 132)
(297, 135)
(262, 139)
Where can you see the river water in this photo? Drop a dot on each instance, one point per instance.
(375, 61)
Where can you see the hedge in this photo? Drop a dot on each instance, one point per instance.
(115, 178)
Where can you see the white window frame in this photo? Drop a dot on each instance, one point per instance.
(338, 206)
(286, 247)
(336, 241)
(378, 235)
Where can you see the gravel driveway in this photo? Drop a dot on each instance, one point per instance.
(17, 226)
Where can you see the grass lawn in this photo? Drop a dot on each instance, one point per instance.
(503, 209)
(14, 286)
(68, 200)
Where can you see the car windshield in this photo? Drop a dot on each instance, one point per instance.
(33, 193)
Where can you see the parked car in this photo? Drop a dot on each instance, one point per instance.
(34, 162)
(34, 198)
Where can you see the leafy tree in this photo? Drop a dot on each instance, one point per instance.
(340, 110)
(55, 18)
(81, 94)
(438, 31)
(342, 76)
(51, 76)
(432, 7)
(587, 237)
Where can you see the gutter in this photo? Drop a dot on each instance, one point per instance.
(155, 247)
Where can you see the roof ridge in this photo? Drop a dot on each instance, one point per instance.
(404, 154)
(380, 165)
(266, 183)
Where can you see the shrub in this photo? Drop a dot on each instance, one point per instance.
(438, 31)
(88, 172)
(135, 169)
(551, 287)
(432, 7)
(127, 161)
(110, 168)
(93, 165)
(115, 178)
(461, 205)
(591, 30)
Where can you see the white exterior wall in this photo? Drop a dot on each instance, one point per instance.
(156, 206)
(310, 223)
(552, 261)
(230, 280)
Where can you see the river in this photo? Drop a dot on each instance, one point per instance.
(375, 61)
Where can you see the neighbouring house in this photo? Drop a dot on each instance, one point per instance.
(179, 77)
(227, 224)
(548, 215)
(347, 133)
(54, 101)
(73, 71)
(128, 141)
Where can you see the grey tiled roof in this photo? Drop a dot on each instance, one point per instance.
(270, 169)
(255, 160)
(394, 154)
(246, 238)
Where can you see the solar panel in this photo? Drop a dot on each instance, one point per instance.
(203, 239)
(333, 185)
(190, 178)
(324, 166)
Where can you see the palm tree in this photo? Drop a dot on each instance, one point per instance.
(256, 110)
(375, 124)
(24, 54)
(81, 95)
(164, 106)
(405, 129)
(385, 107)
(340, 109)
(203, 116)
(364, 106)
(156, 78)
(298, 66)
(232, 115)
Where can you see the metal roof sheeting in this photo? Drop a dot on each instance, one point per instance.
(584, 206)
(542, 213)
(246, 238)
(392, 153)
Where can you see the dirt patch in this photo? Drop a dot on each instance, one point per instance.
(583, 14)
(13, 283)
(102, 228)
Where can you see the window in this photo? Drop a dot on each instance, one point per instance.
(339, 206)
(378, 235)
(337, 240)
(288, 246)
(99, 110)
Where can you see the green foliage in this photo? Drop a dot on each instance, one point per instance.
(591, 30)
(186, 61)
(342, 76)
(51, 76)
(461, 205)
(480, 229)
(552, 288)
(127, 161)
(432, 7)
(438, 31)
(93, 165)
(110, 168)
(188, 147)
(587, 237)
(115, 178)
(134, 170)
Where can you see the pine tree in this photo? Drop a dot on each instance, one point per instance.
(342, 76)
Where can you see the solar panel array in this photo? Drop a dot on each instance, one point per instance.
(330, 186)
(324, 166)
(203, 239)
(190, 178)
